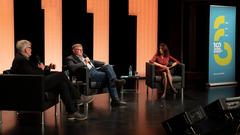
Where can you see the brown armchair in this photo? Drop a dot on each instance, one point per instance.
(25, 93)
(155, 81)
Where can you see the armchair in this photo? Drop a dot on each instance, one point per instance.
(154, 81)
(84, 83)
(83, 80)
(25, 93)
(80, 77)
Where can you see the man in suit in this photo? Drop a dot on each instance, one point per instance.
(103, 74)
(56, 82)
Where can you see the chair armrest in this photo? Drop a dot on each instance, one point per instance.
(97, 63)
(22, 92)
(8, 71)
(182, 66)
(82, 75)
(150, 74)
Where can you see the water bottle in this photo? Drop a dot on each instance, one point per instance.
(130, 71)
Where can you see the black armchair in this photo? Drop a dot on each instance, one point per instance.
(154, 81)
(25, 93)
(83, 80)
(80, 77)
(84, 83)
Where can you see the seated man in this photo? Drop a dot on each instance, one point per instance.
(106, 72)
(54, 82)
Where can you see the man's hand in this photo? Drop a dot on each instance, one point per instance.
(41, 66)
(87, 60)
(52, 66)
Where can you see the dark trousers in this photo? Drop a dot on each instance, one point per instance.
(58, 83)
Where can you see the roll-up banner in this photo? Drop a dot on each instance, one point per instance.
(222, 26)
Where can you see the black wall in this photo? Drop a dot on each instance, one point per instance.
(77, 26)
(169, 26)
(122, 37)
(195, 39)
(29, 24)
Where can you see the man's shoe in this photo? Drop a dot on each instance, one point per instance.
(86, 99)
(76, 116)
(116, 103)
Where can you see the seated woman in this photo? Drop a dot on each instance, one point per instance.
(162, 62)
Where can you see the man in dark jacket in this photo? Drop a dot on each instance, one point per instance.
(103, 74)
(54, 82)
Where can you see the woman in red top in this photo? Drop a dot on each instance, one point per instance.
(161, 60)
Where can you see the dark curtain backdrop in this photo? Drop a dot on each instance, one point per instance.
(77, 26)
(122, 37)
(29, 24)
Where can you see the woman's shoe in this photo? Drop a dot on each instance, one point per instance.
(174, 90)
(163, 96)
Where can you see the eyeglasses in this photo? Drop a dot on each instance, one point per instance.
(29, 48)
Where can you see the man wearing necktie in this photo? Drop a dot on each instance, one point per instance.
(102, 74)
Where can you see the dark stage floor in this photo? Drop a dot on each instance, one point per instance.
(143, 115)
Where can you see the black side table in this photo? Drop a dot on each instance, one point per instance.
(131, 79)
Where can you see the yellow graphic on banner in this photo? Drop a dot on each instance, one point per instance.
(226, 60)
(218, 34)
(218, 21)
(217, 45)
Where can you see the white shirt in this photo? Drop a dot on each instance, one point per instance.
(89, 64)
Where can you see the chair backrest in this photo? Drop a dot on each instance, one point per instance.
(8, 71)
(23, 93)
(18, 90)
(84, 82)
(150, 74)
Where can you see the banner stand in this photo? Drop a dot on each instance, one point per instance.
(222, 46)
(221, 84)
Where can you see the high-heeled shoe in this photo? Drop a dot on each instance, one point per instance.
(174, 90)
(163, 96)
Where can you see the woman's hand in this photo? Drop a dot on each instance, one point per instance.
(165, 67)
(161, 66)
(173, 65)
